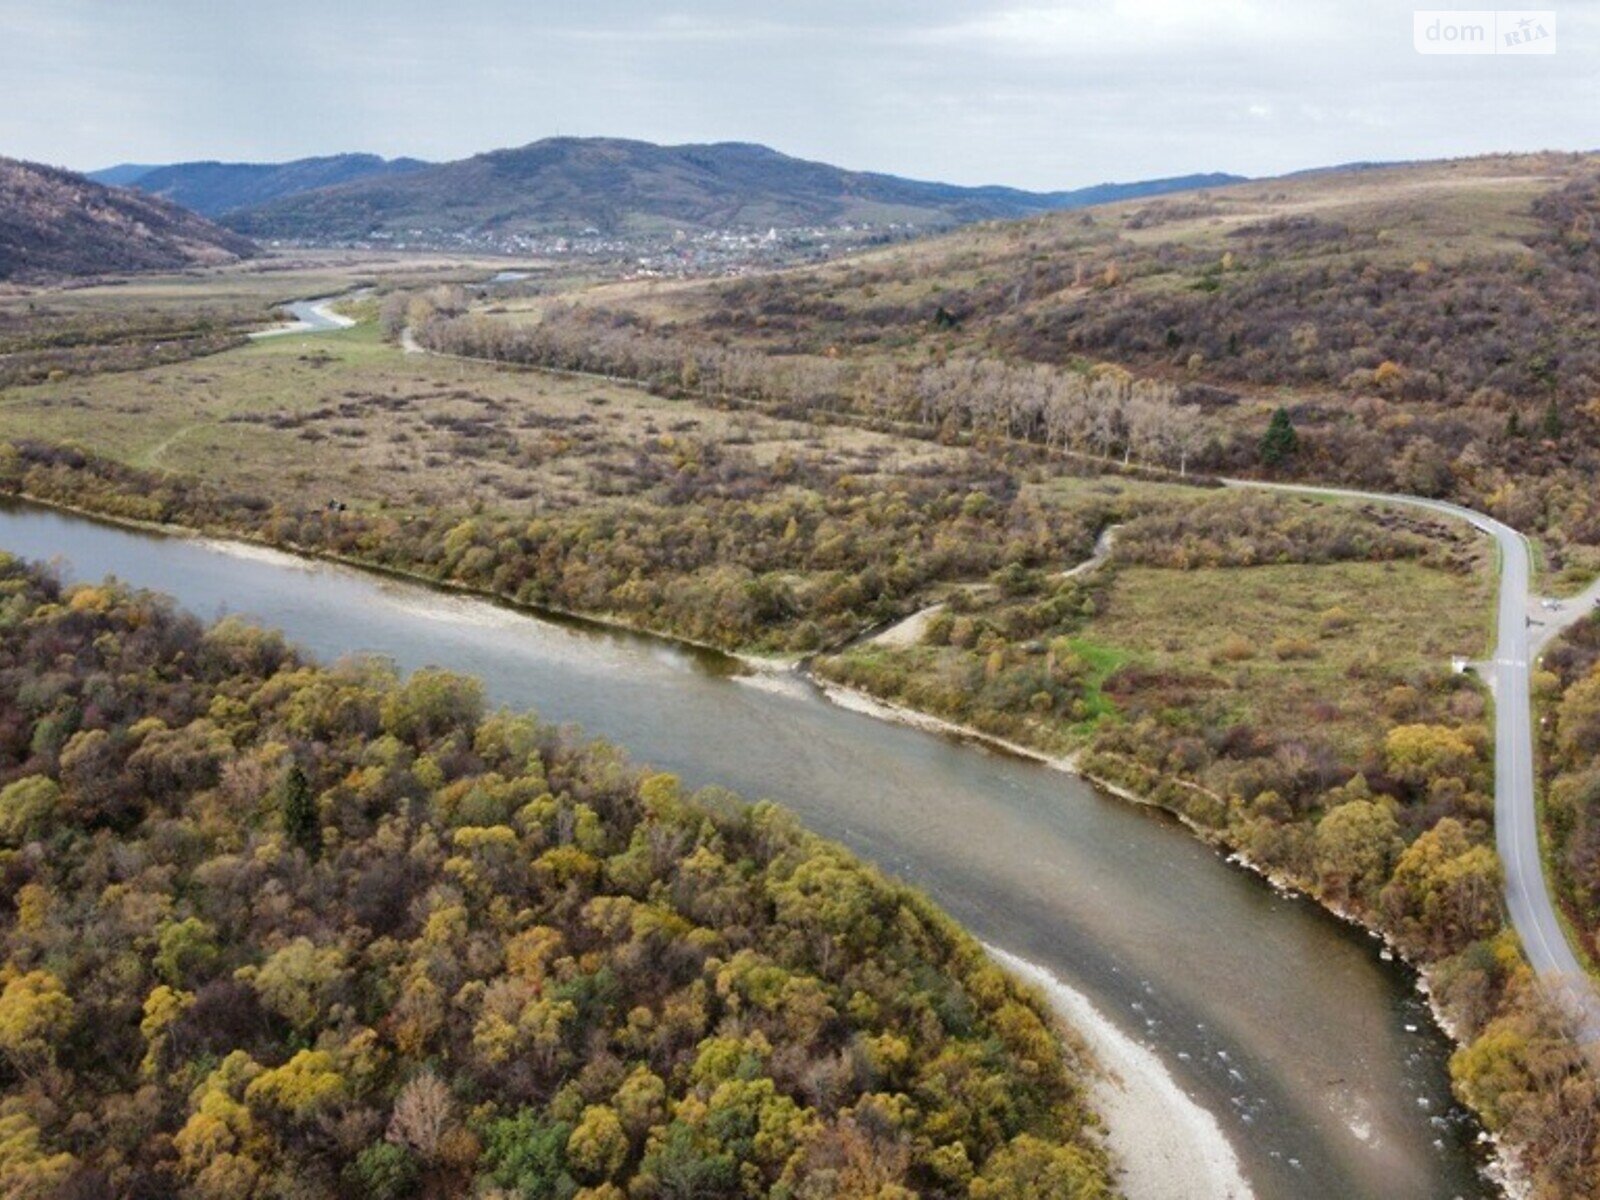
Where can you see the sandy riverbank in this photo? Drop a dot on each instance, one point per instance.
(1166, 1146)
(870, 705)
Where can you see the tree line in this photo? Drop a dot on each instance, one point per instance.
(719, 549)
(1105, 412)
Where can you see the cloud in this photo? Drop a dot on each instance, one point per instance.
(1023, 92)
(1130, 29)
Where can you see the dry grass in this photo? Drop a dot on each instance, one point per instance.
(346, 416)
(1297, 647)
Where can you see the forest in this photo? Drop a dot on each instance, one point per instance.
(275, 929)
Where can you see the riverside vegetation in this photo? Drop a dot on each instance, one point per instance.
(1211, 670)
(275, 929)
(1319, 730)
(1381, 806)
(1387, 816)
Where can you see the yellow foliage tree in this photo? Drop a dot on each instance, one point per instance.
(307, 1083)
(35, 1014)
(598, 1146)
(28, 1171)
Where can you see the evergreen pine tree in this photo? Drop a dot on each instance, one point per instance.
(1280, 443)
(1551, 426)
(298, 809)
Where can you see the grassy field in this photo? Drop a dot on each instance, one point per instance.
(1339, 652)
(345, 416)
(1327, 648)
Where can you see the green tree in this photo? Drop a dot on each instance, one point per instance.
(680, 1164)
(184, 950)
(1551, 425)
(1356, 845)
(383, 1171)
(300, 980)
(529, 1156)
(1280, 443)
(298, 809)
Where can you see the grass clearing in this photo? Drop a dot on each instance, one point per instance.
(345, 416)
(1312, 647)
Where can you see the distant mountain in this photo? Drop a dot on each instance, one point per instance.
(566, 185)
(55, 224)
(1111, 193)
(214, 188)
(120, 175)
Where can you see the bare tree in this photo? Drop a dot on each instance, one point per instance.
(423, 1111)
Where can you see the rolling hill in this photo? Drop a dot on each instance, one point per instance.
(1429, 327)
(567, 185)
(54, 224)
(121, 175)
(1305, 280)
(214, 188)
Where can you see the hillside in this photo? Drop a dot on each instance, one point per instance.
(567, 185)
(55, 224)
(1432, 328)
(120, 175)
(214, 188)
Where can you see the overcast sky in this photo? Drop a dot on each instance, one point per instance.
(1040, 95)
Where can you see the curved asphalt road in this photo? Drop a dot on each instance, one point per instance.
(1515, 798)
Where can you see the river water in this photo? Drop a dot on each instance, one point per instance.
(1317, 1059)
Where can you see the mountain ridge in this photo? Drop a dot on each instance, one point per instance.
(627, 187)
(57, 224)
(213, 188)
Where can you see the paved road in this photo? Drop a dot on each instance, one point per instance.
(1515, 798)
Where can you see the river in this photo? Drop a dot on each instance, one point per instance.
(1317, 1058)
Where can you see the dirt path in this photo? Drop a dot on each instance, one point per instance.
(909, 631)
